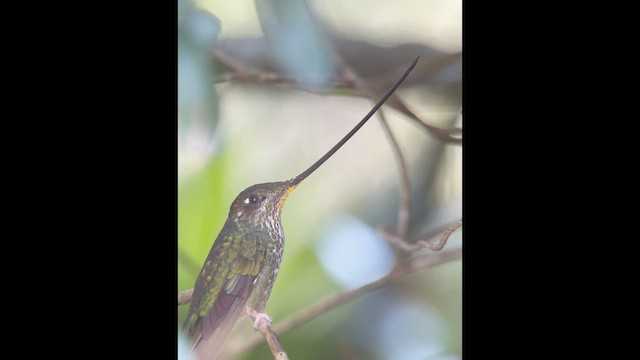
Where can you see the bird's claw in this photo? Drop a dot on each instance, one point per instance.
(257, 316)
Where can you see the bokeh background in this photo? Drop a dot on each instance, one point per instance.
(233, 134)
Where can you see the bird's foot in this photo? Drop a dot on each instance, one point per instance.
(257, 316)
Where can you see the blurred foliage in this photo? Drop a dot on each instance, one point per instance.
(234, 135)
(302, 53)
(197, 98)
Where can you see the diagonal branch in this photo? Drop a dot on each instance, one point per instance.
(422, 242)
(266, 330)
(441, 134)
(333, 301)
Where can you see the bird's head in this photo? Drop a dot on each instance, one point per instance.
(261, 200)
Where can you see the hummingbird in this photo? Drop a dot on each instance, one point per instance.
(242, 265)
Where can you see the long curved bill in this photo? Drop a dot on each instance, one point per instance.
(295, 181)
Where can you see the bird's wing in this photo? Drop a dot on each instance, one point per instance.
(223, 286)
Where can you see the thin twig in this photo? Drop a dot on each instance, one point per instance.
(426, 261)
(441, 134)
(423, 241)
(279, 79)
(266, 330)
(185, 296)
(404, 211)
(235, 64)
(333, 301)
(445, 236)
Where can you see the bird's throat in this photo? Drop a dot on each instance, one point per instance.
(284, 197)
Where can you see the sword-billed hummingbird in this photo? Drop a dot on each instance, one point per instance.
(243, 263)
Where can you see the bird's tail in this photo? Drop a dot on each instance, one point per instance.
(207, 347)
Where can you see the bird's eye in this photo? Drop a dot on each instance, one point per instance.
(253, 199)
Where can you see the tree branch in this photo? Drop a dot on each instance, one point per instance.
(276, 78)
(441, 134)
(333, 301)
(184, 296)
(266, 330)
(404, 211)
(444, 237)
(423, 241)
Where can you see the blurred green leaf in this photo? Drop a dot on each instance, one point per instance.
(202, 210)
(296, 42)
(197, 98)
